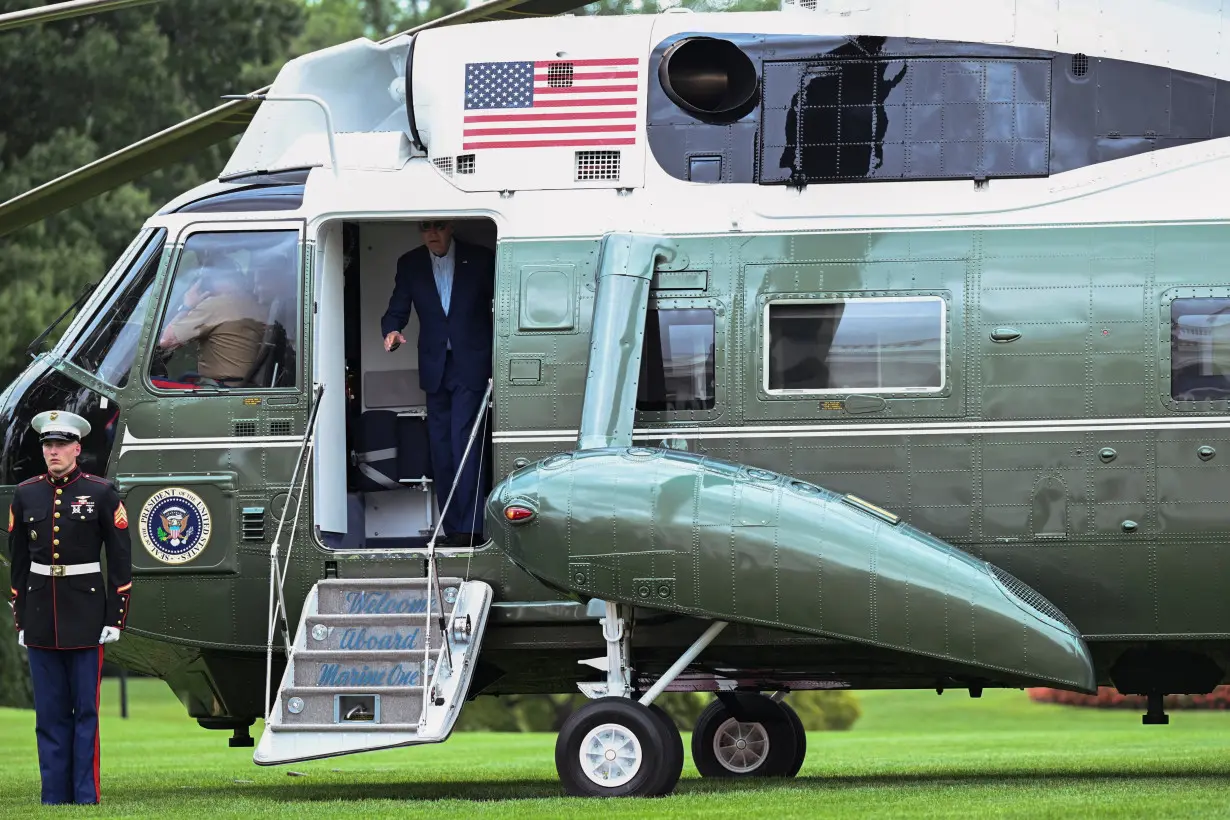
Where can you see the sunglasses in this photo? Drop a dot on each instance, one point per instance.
(436, 225)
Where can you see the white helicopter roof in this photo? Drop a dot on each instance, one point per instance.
(363, 84)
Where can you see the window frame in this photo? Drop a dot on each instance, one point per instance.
(840, 298)
(655, 310)
(720, 370)
(106, 285)
(299, 226)
(149, 237)
(1165, 369)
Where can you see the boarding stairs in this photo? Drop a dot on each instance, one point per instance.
(376, 663)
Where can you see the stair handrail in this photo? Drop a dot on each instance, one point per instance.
(433, 575)
(277, 575)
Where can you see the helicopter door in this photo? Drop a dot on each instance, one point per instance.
(211, 447)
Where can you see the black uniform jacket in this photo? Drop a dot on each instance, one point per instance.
(64, 521)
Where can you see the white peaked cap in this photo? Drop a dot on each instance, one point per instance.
(59, 424)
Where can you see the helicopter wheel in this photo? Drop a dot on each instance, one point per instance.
(800, 735)
(765, 740)
(615, 747)
(674, 749)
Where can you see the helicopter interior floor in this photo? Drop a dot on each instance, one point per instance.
(388, 481)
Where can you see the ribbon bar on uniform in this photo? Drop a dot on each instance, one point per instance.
(59, 570)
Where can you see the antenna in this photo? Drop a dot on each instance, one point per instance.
(309, 98)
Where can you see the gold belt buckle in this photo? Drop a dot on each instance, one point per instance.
(57, 570)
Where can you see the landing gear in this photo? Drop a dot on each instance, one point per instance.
(748, 735)
(615, 747)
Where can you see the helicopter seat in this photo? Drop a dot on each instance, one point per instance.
(392, 444)
(272, 351)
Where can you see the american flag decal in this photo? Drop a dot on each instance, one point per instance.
(551, 103)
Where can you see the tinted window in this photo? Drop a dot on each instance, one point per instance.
(892, 344)
(233, 316)
(880, 118)
(108, 344)
(1200, 349)
(21, 455)
(677, 362)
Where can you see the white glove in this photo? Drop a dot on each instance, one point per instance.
(110, 634)
(21, 637)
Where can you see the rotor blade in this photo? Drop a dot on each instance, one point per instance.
(63, 11)
(161, 149)
(498, 10)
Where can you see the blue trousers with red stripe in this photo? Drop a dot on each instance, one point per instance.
(66, 688)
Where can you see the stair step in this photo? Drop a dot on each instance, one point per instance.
(346, 727)
(356, 680)
(417, 580)
(395, 670)
(384, 596)
(369, 633)
(326, 704)
(377, 655)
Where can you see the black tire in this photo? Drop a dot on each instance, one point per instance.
(767, 728)
(639, 731)
(674, 748)
(800, 736)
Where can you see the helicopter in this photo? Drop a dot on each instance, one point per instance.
(859, 344)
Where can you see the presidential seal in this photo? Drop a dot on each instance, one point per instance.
(174, 525)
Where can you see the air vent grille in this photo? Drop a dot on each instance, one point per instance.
(245, 428)
(1029, 596)
(597, 165)
(253, 524)
(559, 75)
(444, 165)
(465, 164)
(1080, 64)
(279, 427)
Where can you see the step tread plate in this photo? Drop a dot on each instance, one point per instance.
(408, 728)
(360, 654)
(377, 583)
(416, 690)
(375, 619)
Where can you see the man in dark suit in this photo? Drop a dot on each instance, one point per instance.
(451, 284)
(65, 607)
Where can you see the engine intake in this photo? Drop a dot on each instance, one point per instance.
(709, 78)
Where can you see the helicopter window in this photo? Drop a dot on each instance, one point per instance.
(1200, 349)
(890, 344)
(108, 345)
(232, 317)
(677, 362)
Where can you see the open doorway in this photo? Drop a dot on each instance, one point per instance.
(376, 482)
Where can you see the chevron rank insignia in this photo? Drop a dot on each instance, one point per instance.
(121, 517)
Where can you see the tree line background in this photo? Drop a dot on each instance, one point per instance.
(76, 90)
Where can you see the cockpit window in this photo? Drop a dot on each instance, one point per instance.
(232, 318)
(108, 344)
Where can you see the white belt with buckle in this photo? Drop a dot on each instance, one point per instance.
(58, 570)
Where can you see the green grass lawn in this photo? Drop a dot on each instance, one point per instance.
(913, 754)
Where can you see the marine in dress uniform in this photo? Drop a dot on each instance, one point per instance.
(59, 525)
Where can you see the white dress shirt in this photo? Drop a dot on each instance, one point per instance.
(442, 268)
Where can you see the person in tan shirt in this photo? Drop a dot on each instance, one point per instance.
(223, 316)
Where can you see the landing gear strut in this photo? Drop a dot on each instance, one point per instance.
(1156, 716)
